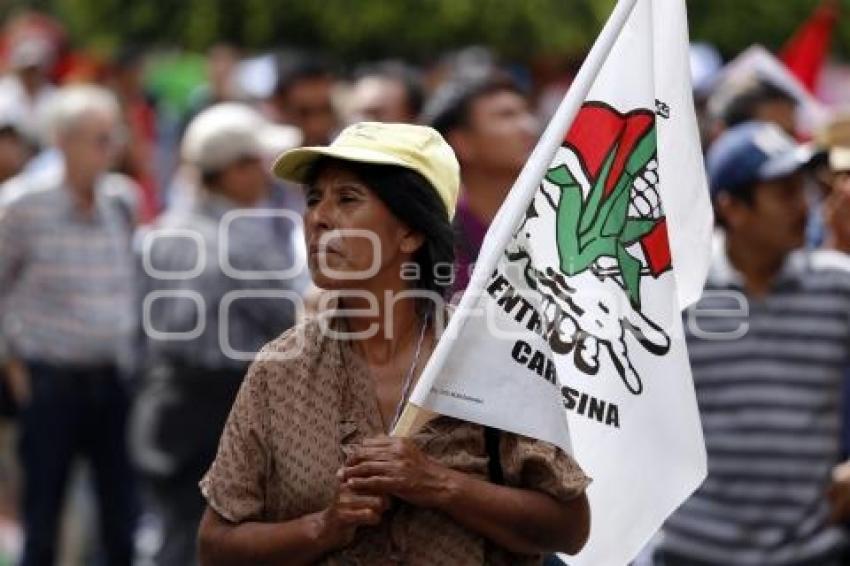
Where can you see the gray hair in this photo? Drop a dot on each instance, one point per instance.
(74, 103)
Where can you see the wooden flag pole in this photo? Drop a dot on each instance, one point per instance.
(411, 420)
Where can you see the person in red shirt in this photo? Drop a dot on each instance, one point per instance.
(488, 122)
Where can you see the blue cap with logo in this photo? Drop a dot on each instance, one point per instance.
(752, 152)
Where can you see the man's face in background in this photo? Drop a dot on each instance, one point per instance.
(501, 132)
(90, 146)
(775, 219)
(380, 99)
(308, 105)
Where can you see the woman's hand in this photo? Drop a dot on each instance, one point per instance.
(519, 520)
(396, 466)
(301, 541)
(349, 510)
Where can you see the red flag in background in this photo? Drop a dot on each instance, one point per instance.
(806, 52)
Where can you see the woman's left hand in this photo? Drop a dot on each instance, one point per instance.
(396, 466)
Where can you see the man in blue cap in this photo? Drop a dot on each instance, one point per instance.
(768, 344)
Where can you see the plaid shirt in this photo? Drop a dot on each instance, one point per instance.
(66, 276)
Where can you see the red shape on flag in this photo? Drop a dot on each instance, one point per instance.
(595, 131)
(806, 51)
(656, 249)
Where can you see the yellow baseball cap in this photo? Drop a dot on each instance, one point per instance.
(419, 148)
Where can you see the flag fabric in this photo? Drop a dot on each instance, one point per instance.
(571, 329)
(807, 50)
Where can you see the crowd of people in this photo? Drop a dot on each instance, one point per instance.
(146, 258)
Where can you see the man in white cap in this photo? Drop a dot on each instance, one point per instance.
(215, 291)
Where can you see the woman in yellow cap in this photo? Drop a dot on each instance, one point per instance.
(305, 471)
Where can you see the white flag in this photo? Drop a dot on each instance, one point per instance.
(570, 331)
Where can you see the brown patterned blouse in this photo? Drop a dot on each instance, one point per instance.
(309, 396)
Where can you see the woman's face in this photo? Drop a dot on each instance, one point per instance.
(352, 237)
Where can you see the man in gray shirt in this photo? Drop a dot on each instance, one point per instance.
(221, 278)
(768, 345)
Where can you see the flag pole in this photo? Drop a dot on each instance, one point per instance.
(511, 211)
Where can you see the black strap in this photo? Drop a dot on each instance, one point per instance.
(494, 458)
(494, 468)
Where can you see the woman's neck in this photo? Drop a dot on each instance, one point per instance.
(383, 330)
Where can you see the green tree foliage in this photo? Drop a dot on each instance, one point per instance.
(418, 29)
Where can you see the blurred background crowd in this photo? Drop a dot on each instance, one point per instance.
(163, 121)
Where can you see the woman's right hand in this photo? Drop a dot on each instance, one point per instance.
(349, 510)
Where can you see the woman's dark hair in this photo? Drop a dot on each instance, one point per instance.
(413, 200)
